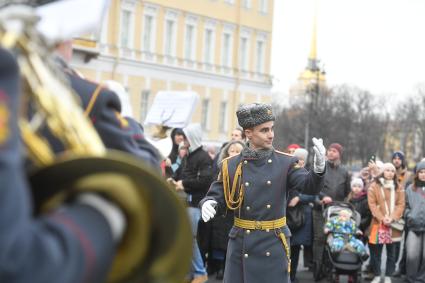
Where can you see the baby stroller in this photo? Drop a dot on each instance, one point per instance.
(345, 262)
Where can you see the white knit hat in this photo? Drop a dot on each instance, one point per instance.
(357, 181)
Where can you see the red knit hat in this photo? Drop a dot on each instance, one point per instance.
(338, 147)
(293, 146)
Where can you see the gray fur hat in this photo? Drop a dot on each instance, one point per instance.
(251, 115)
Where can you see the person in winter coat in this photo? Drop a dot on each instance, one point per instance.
(195, 181)
(415, 221)
(304, 235)
(336, 188)
(220, 226)
(173, 162)
(358, 198)
(255, 185)
(386, 202)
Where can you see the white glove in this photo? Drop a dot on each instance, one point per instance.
(112, 213)
(208, 210)
(319, 156)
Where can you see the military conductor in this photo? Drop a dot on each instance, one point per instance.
(255, 184)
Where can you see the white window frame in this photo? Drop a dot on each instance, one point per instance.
(246, 4)
(128, 6)
(224, 116)
(170, 16)
(191, 21)
(263, 6)
(245, 34)
(149, 11)
(205, 119)
(209, 64)
(144, 105)
(259, 66)
(228, 30)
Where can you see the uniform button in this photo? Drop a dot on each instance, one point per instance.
(269, 161)
(246, 184)
(267, 253)
(245, 255)
(248, 208)
(268, 206)
(245, 162)
(269, 182)
(248, 231)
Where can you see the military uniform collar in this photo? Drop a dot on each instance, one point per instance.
(249, 153)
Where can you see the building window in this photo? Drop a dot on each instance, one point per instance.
(148, 34)
(205, 113)
(144, 106)
(243, 54)
(125, 28)
(229, 1)
(246, 4)
(260, 57)
(189, 42)
(223, 116)
(208, 46)
(227, 50)
(170, 38)
(263, 6)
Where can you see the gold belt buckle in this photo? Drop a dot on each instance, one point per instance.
(258, 225)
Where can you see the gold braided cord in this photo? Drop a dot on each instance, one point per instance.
(287, 249)
(229, 193)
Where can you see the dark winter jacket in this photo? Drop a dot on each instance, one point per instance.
(197, 175)
(414, 213)
(336, 182)
(361, 206)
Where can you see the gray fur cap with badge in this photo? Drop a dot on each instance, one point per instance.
(251, 115)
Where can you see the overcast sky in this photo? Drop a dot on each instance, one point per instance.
(378, 45)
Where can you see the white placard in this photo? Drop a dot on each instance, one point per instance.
(173, 109)
(63, 20)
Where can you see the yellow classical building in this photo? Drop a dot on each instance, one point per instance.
(217, 48)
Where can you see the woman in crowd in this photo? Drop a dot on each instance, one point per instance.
(220, 226)
(386, 202)
(415, 221)
(304, 235)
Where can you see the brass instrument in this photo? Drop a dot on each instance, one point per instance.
(156, 246)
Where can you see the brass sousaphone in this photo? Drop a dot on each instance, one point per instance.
(156, 246)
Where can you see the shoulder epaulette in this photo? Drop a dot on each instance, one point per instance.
(229, 157)
(284, 153)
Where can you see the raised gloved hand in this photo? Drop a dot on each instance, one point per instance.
(319, 156)
(208, 210)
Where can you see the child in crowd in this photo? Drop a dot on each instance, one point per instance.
(358, 198)
(343, 231)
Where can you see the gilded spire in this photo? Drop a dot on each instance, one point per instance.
(313, 48)
(312, 58)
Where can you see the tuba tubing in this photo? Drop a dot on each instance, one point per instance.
(156, 246)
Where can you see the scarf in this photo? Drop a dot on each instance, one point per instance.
(249, 153)
(389, 185)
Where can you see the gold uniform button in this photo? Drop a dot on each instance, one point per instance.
(267, 253)
(246, 184)
(248, 208)
(248, 231)
(269, 161)
(245, 255)
(268, 206)
(269, 182)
